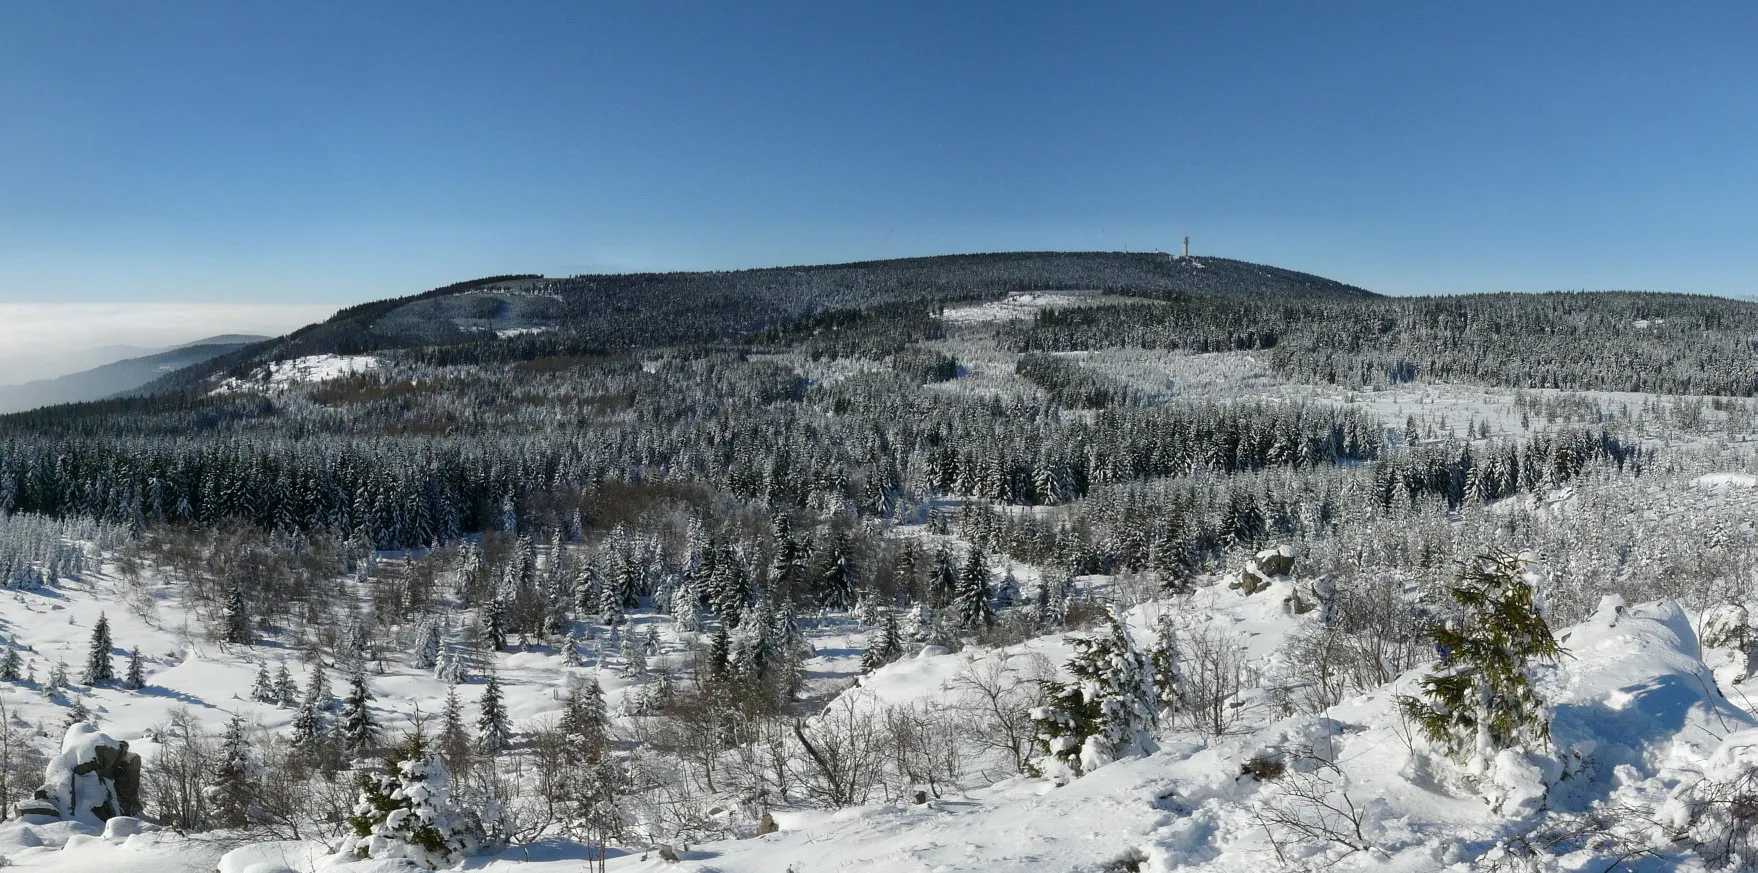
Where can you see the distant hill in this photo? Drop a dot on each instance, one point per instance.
(118, 377)
(631, 310)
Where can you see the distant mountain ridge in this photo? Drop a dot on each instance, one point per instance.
(608, 312)
(120, 376)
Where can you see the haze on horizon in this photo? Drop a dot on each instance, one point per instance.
(206, 152)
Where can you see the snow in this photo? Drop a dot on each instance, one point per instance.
(309, 369)
(1015, 306)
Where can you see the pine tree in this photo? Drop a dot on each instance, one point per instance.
(493, 731)
(974, 593)
(584, 719)
(57, 677)
(886, 646)
(238, 622)
(310, 725)
(427, 646)
(231, 791)
(78, 713)
(263, 691)
(571, 650)
(98, 666)
(836, 587)
(493, 625)
(360, 731)
(1480, 700)
(11, 664)
(454, 738)
(404, 810)
(634, 657)
(1106, 713)
(286, 693)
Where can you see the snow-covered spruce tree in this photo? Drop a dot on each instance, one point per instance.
(454, 737)
(310, 724)
(634, 657)
(237, 630)
(286, 693)
(972, 597)
(494, 733)
(360, 731)
(1480, 700)
(886, 645)
(404, 811)
(427, 646)
(230, 793)
(263, 689)
(11, 663)
(1105, 713)
(492, 625)
(98, 666)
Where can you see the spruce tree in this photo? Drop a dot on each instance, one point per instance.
(231, 791)
(360, 730)
(11, 664)
(98, 665)
(1106, 713)
(454, 738)
(493, 625)
(1480, 700)
(493, 731)
(404, 810)
(238, 623)
(286, 692)
(886, 645)
(427, 646)
(974, 592)
(263, 690)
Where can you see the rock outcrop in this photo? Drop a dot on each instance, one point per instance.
(94, 779)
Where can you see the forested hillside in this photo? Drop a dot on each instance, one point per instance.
(611, 563)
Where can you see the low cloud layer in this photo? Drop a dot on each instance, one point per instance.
(43, 340)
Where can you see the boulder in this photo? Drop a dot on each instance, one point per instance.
(94, 779)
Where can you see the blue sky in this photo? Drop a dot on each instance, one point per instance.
(333, 152)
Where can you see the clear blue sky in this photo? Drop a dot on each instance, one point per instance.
(310, 151)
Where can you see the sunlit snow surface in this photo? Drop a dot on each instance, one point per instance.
(312, 368)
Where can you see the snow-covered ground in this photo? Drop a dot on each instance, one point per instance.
(312, 368)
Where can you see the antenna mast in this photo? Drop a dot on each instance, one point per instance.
(1187, 246)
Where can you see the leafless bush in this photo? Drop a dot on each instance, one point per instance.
(177, 778)
(993, 696)
(1721, 822)
(1214, 674)
(844, 753)
(1309, 809)
(925, 746)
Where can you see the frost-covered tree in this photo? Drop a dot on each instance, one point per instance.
(1105, 713)
(428, 643)
(99, 667)
(972, 597)
(886, 645)
(360, 730)
(634, 657)
(286, 693)
(263, 689)
(491, 624)
(405, 811)
(494, 732)
(1479, 699)
(230, 793)
(454, 737)
(135, 677)
(11, 663)
(238, 625)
